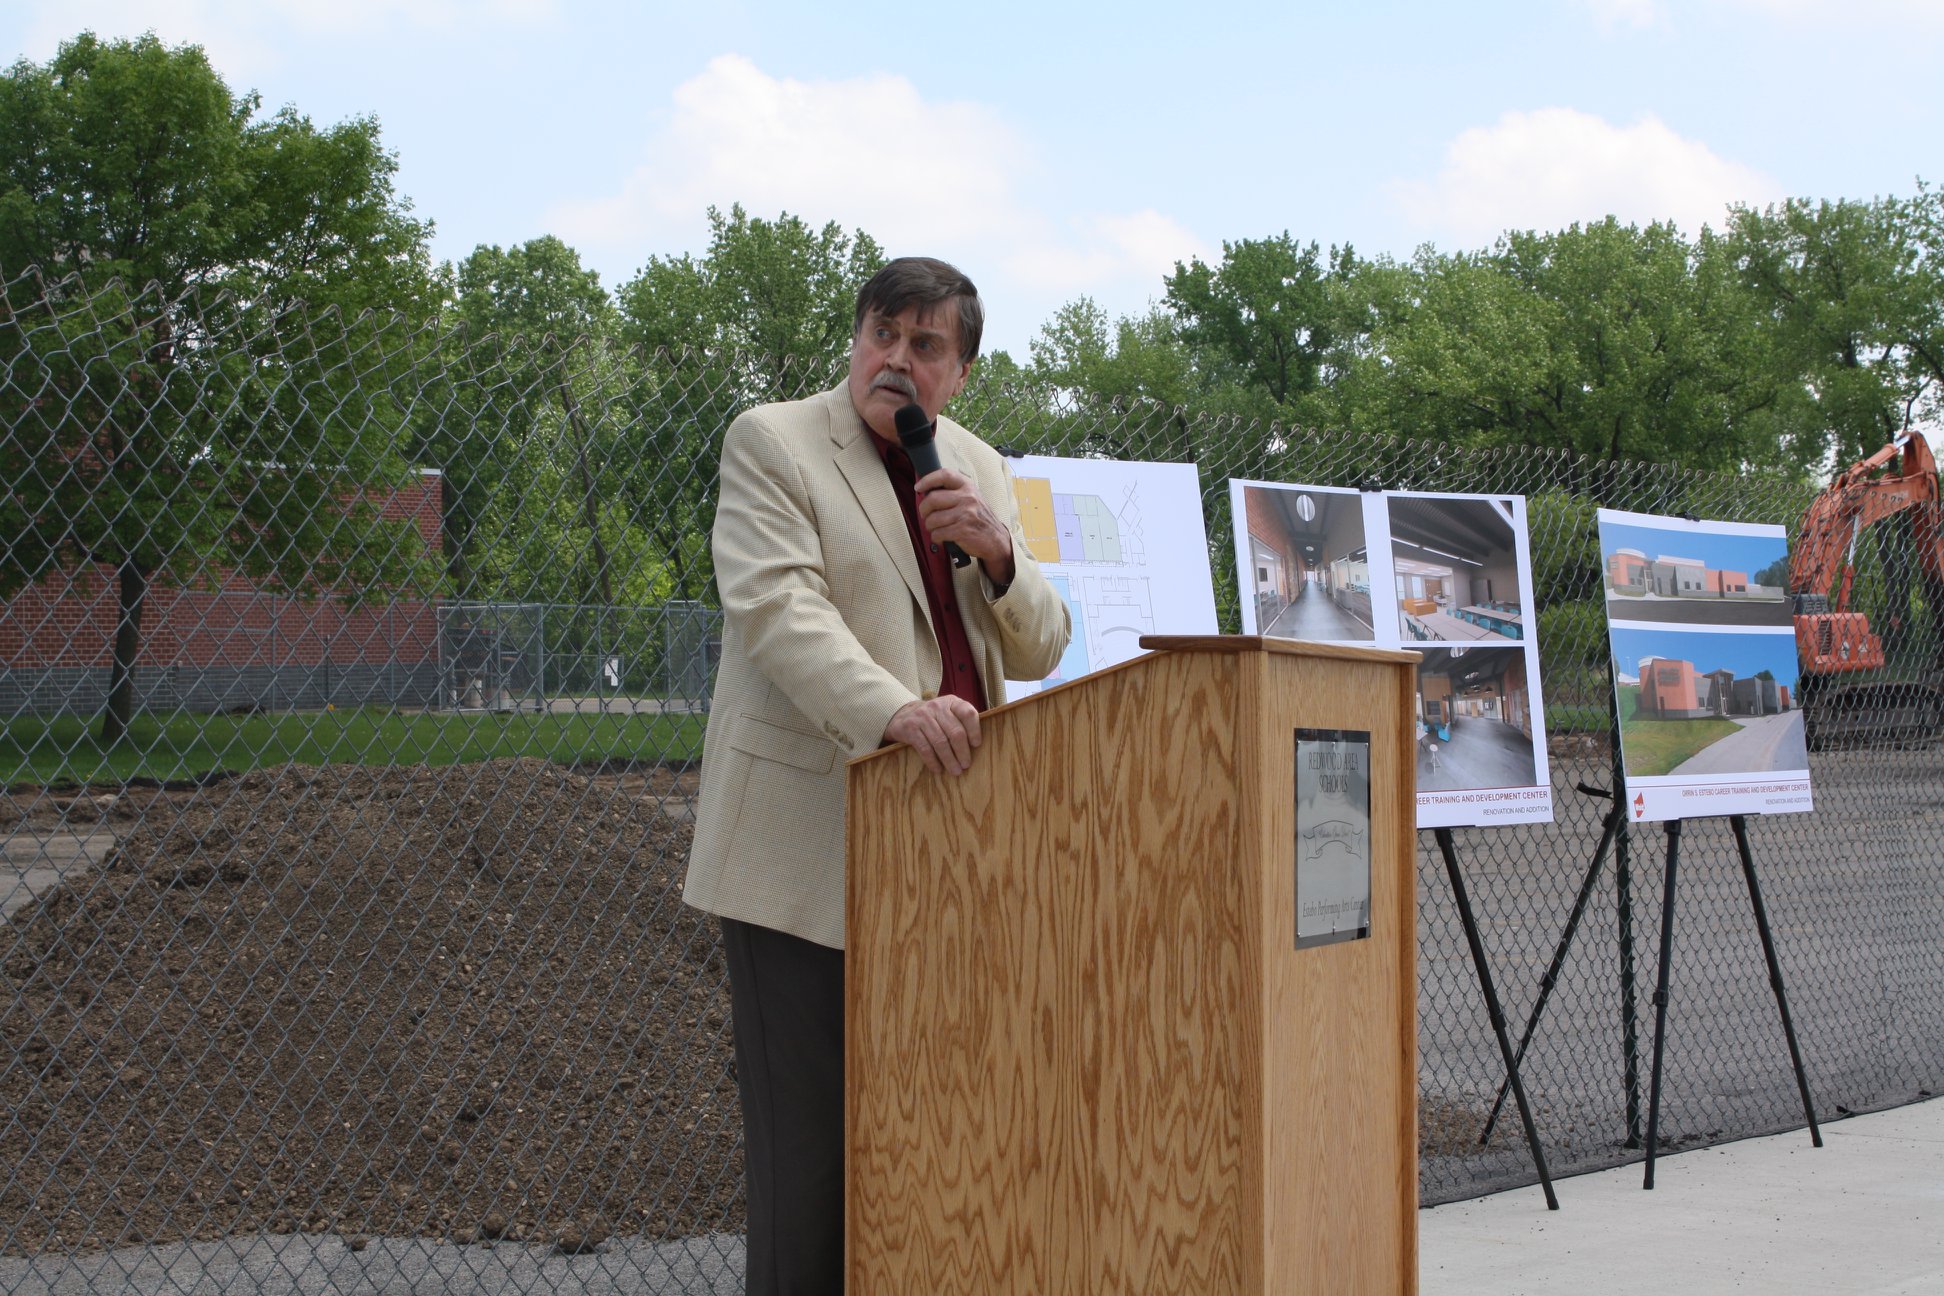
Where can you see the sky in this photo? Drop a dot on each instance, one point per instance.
(1055, 151)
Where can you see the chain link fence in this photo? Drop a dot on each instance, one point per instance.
(386, 984)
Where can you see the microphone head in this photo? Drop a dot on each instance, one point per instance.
(914, 428)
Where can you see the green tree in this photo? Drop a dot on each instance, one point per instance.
(1853, 296)
(1125, 387)
(211, 395)
(531, 329)
(1609, 340)
(765, 314)
(1273, 314)
(779, 294)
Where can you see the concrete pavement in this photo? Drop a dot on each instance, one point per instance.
(1861, 1216)
(32, 863)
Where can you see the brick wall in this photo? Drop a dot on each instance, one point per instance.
(234, 645)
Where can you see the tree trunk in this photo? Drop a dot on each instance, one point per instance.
(590, 501)
(455, 535)
(132, 585)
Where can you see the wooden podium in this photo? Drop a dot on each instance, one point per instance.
(1084, 1052)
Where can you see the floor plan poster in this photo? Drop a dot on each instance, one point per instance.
(1705, 672)
(1123, 543)
(1447, 575)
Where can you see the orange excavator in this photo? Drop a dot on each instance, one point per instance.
(1852, 688)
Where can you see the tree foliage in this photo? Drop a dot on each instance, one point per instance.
(778, 293)
(1801, 335)
(524, 322)
(1851, 295)
(1609, 340)
(190, 278)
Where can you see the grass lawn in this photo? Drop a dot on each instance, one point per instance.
(40, 751)
(1659, 746)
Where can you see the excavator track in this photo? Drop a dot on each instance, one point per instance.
(1889, 713)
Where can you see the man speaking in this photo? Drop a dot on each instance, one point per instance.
(847, 624)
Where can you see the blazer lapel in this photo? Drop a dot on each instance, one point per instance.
(857, 459)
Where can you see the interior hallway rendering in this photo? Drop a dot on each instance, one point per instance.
(1314, 616)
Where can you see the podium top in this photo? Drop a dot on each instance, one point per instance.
(1236, 644)
(1272, 644)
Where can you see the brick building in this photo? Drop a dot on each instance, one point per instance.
(1671, 689)
(234, 647)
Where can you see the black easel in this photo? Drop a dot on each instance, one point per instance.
(1613, 833)
(1492, 1009)
(1740, 825)
(1608, 828)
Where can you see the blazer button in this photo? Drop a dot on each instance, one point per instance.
(930, 694)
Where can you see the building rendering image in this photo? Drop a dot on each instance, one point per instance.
(1308, 565)
(1681, 573)
(1631, 572)
(1708, 703)
(1457, 573)
(1672, 689)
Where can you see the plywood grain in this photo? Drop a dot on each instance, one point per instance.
(1068, 1004)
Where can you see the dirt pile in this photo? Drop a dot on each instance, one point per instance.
(455, 1002)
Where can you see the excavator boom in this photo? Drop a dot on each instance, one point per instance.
(1834, 638)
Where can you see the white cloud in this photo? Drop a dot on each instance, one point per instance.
(940, 177)
(1143, 246)
(1550, 168)
(868, 151)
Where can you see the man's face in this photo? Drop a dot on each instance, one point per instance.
(898, 359)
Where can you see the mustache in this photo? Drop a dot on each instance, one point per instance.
(896, 382)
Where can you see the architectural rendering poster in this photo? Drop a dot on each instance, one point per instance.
(1124, 544)
(1704, 666)
(1447, 575)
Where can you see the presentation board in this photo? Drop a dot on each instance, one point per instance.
(1124, 545)
(1447, 575)
(1705, 673)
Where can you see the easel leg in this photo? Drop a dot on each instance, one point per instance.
(1629, 1014)
(1492, 1009)
(1740, 825)
(1660, 995)
(1551, 977)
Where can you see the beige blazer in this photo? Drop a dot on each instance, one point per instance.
(826, 634)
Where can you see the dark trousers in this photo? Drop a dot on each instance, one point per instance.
(787, 1001)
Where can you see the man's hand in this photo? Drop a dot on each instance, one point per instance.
(942, 730)
(949, 508)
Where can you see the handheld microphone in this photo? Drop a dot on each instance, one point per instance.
(915, 434)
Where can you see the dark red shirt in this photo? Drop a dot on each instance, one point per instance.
(935, 566)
